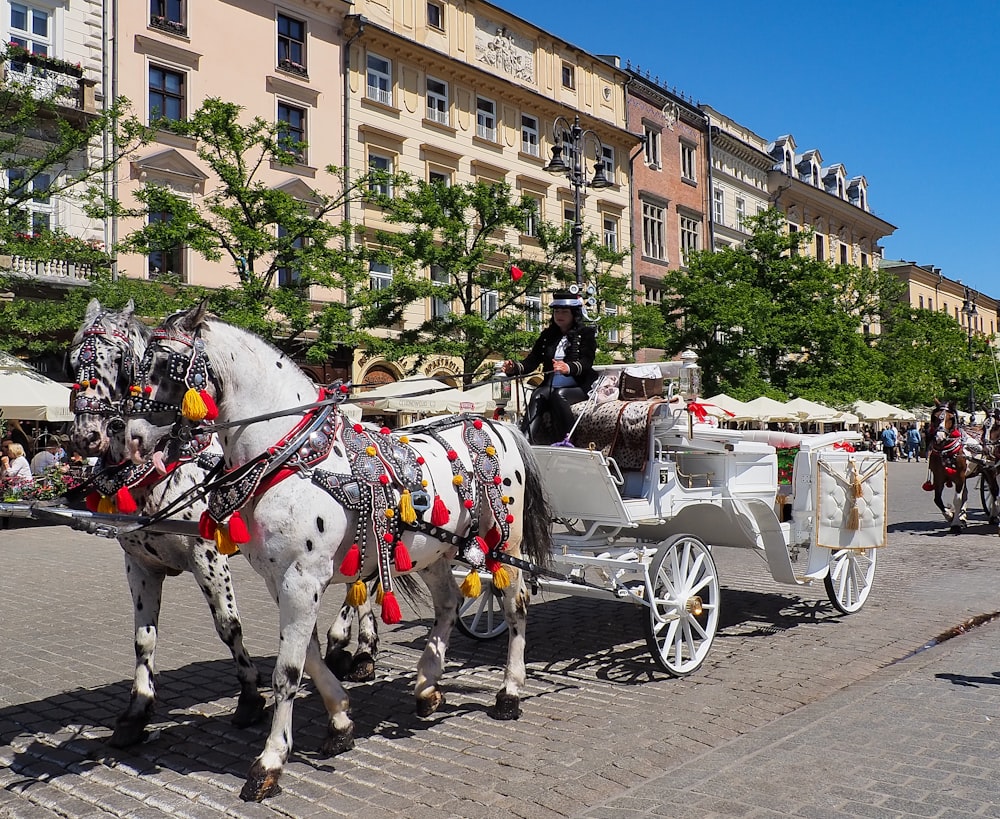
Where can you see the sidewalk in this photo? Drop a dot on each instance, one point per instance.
(918, 738)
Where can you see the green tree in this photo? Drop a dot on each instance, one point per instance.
(459, 233)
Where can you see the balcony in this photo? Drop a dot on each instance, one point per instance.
(50, 79)
(50, 271)
(53, 259)
(168, 25)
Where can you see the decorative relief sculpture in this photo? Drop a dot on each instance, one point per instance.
(670, 115)
(499, 48)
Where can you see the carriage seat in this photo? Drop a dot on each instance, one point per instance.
(619, 429)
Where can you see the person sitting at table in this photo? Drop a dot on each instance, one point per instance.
(14, 465)
(565, 350)
(48, 457)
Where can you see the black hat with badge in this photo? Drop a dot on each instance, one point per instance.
(565, 298)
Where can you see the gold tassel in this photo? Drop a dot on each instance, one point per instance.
(379, 593)
(106, 506)
(472, 586)
(357, 594)
(193, 406)
(407, 513)
(224, 543)
(501, 578)
(854, 518)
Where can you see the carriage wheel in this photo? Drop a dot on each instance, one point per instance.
(481, 618)
(684, 604)
(849, 581)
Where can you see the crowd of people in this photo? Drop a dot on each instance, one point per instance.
(26, 454)
(908, 442)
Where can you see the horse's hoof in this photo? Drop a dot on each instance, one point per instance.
(362, 668)
(994, 521)
(129, 732)
(337, 742)
(249, 710)
(339, 662)
(956, 529)
(506, 707)
(260, 784)
(429, 704)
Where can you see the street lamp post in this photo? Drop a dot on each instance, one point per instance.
(576, 171)
(970, 311)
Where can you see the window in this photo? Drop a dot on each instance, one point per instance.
(292, 130)
(843, 254)
(380, 168)
(569, 214)
(166, 94)
(531, 220)
(35, 211)
(690, 228)
(30, 28)
(291, 44)
(611, 233)
(289, 276)
(168, 261)
(719, 206)
(437, 101)
(651, 147)
(568, 76)
(820, 248)
(435, 16)
(921, 302)
(611, 313)
(930, 304)
(486, 119)
(653, 244)
(532, 312)
(608, 161)
(864, 260)
(168, 15)
(437, 177)
(529, 135)
(687, 162)
(379, 79)
(489, 304)
(741, 213)
(379, 275)
(440, 307)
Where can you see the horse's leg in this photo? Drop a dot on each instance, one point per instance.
(993, 511)
(340, 729)
(146, 586)
(211, 570)
(445, 595)
(298, 601)
(360, 666)
(960, 506)
(515, 612)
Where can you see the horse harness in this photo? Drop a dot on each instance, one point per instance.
(386, 484)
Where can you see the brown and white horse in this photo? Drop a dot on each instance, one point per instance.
(950, 463)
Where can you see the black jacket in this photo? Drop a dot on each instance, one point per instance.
(581, 347)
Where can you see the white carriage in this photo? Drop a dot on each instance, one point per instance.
(645, 536)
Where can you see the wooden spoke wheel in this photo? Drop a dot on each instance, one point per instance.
(849, 581)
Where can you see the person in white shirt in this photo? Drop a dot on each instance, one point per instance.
(46, 458)
(14, 464)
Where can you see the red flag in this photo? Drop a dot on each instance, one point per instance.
(516, 273)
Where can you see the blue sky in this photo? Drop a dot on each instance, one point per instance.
(905, 93)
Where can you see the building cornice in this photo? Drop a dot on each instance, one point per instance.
(787, 191)
(741, 150)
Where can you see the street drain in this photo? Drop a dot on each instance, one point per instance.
(957, 631)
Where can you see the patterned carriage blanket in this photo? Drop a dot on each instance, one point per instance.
(619, 429)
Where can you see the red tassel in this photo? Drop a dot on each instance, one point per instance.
(206, 526)
(439, 513)
(390, 609)
(492, 538)
(928, 486)
(211, 409)
(402, 559)
(125, 502)
(93, 499)
(351, 564)
(482, 545)
(238, 529)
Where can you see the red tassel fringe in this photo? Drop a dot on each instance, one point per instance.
(125, 502)
(439, 513)
(390, 609)
(402, 558)
(238, 529)
(206, 526)
(93, 499)
(351, 563)
(211, 410)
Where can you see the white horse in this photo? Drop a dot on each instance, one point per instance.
(323, 501)
(104, 357)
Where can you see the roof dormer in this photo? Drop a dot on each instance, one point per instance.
(835, 181)
(857, 192)
(809, 166)
(782, 151)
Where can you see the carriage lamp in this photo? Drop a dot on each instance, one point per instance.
(689, 378)
(500, 387)
(573, 138)
(971, 313)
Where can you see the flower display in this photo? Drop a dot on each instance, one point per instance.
(18, 53)
(55, 482)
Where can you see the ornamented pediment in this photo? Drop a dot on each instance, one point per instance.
(501, 49)
(172, 168)
(297, 189)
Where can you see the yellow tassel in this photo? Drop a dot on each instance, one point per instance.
(224, 543)
(379, 593)
(357, 594)
(193, 406)
(457, 480)
(106, 506)
(501, 578)
(472, 586)
(407, 513)
(854, 518)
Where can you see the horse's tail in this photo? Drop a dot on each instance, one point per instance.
(536, 542)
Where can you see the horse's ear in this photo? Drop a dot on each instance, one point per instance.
(128, 310)
(93, 311)
(190, 320)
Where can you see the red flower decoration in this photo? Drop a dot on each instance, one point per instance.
(516, 273)
(385, 430)
(478, 424)
(468, 503)
(387, 537)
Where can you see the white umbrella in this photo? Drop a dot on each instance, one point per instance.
(727, 403)
(767, 409)
(894, 413)
(810, 411)
(413, 388)
(27, 395)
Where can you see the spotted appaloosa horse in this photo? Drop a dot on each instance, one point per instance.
(321, 501)
(950, 463)
(104, 357)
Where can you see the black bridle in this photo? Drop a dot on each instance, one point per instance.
(107, 331)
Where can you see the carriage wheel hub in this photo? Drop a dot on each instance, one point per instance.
(694, 606)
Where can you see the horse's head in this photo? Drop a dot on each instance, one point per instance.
(103, 358)
(174, 365)
(944, 421)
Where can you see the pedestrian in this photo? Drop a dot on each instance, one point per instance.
(889, 442)
(913, 443)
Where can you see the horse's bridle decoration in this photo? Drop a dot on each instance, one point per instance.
(386, 485)
(80, 402)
